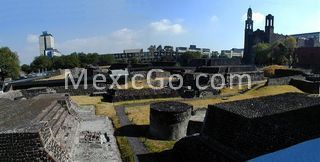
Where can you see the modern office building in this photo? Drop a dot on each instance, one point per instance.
(234, 52)
(206, 51)
(181, 49)
(46, 45)
(158, 53)
(193, 48)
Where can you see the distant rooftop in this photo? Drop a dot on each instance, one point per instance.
(45, 33)
(314, 33)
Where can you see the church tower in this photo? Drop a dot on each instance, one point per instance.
(269, 29)
(248, 57)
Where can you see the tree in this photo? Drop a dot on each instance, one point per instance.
(134, 61)
(186, 57)
(83, 59)
(279, 52)
(263, 53)
(167, 58)
(71, 61)
(223, 55)
(291, 44)
(106, 60)
(40, 63)
(215, 54)
(58, 62)
(92, 58)
(9, 63)
(26, 68)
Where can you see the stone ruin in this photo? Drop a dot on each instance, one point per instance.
(309, 83)
(190, 90)
(35, 91)
(243, 130)
(117, 95)
(50, 127)
(12, 95)
(169, 120)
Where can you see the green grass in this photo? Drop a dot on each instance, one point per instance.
(127, 154)
(157, 145)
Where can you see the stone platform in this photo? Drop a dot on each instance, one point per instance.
(50, 127)
(243, 130)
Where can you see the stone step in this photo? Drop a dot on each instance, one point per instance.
(45, 112)
(56, 118)
(56, 127)
(52, 113)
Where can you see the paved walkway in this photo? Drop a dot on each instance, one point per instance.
(136, 145)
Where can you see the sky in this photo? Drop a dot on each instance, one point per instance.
(109, 26)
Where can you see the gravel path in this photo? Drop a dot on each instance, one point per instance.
(136, 145)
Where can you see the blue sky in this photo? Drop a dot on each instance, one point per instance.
(107, 26)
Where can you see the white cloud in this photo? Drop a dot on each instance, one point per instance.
(257, 17)
(32, 38)
(167, 26)
(214, 18)
(115, 42)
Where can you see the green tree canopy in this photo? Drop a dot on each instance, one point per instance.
(106, 60)
(186, 57)
(9, 63)
(279, 52)
(71, 61)
(40, 63)
(26, 68)
(263, 53)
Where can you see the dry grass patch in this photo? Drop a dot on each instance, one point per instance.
(269, 71)
(145, 101)
(139, 115)
(86, 100)
(259, 91)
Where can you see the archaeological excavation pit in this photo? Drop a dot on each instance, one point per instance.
(169, 120)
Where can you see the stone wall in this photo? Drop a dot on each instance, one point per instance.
(306, 86)
(22, 147)
(287, 72)
(282, 80)
(71, 90)
(36, 145)
(269, 126)
(135, 94)
(11, 95)
(80, 91)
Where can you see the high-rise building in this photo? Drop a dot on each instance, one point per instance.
(46, 42)
(46, 45)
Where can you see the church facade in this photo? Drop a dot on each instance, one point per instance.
(252, 38)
